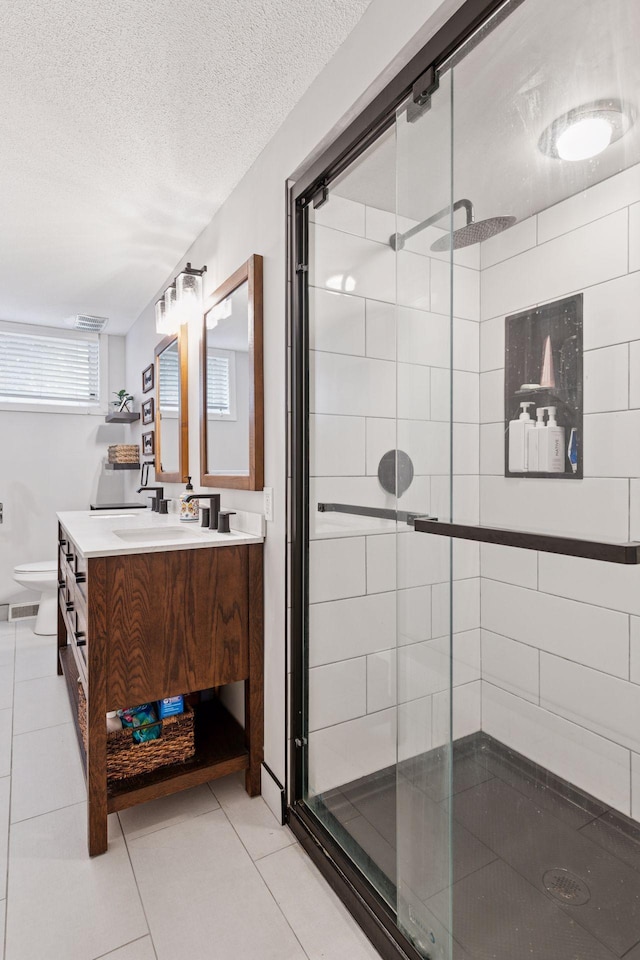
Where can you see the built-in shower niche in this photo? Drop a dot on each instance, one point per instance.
(543, 367)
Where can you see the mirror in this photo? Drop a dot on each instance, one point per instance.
(172, 420)
(231, 413)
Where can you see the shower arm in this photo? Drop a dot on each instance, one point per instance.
(398, 240)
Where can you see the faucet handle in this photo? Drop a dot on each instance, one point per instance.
(163, 506)
(223, 520)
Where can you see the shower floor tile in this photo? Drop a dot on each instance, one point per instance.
(512, 823)
(533, 841)
(496, 913)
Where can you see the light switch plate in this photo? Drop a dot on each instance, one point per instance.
(268, 504)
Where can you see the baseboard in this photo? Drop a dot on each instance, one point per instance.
(273, 794)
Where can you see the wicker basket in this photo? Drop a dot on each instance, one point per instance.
(123, 453)
(126, 758)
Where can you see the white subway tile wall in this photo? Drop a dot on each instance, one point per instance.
(379, 379)
(546, 648)
(560, 639)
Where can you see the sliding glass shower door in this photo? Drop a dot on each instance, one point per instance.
(378, 651)
(472, 575)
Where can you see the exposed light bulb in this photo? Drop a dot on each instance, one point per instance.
(584, 139)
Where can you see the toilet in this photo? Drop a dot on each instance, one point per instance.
(41, 577)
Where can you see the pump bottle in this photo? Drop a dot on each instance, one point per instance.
(189, 509)
(534, 441)
(518, 445)
(551, 450)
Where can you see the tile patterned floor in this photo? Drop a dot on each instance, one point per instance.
(207, 874)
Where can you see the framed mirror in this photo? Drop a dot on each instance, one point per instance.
(231, 399)
(171, 408)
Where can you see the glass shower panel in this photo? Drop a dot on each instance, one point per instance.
(351, 615)
(545, 696)
(425, 206)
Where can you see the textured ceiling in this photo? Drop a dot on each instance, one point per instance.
(125, 125)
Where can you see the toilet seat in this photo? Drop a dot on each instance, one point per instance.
(41, 566)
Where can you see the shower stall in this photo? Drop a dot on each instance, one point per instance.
(465, 555)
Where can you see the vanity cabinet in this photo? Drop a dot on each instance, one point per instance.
(138, 627)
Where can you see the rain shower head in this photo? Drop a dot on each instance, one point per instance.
(472, 232)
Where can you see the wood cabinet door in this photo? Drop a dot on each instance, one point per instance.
(177, 621)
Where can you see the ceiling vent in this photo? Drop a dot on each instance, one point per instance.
(85, 322)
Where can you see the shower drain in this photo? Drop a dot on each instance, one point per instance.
(566, 887)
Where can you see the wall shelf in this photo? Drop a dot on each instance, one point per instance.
(123, 466)
(122, 417)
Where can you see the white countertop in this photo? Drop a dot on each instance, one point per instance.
(96, 533)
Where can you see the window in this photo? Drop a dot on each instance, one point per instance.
(221, 385)
(41, 368)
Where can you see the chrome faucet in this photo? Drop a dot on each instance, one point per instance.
(155, 500)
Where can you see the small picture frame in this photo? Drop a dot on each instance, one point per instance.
(148, 414)
(148, 443)
(147, 379)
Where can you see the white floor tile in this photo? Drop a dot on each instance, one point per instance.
(62, 903)
(35, 656)
(40, 703)
(319, 920)
(250, 817)
(137, 950)
(47, 772)
(5, 797)
(199, 872)
(167, 811)
(6, 724)
(6, 685)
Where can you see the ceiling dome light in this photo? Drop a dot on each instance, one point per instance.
(584, 139)
(586, 131)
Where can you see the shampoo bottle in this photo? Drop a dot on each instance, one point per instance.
(189, 509)
(533, 440)
(518, 444)
(554, 452)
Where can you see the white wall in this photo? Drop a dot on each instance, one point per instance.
(51, 462)
(560, 635)
(253, 220)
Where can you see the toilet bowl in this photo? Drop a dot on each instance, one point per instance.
(41, 577)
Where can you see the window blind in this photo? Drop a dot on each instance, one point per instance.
(48, 368)
(169, 373)
(218, 385)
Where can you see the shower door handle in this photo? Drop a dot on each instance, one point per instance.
(625, 553)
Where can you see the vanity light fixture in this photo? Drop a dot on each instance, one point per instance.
(189, 293)
(180, 302)
(586, 131)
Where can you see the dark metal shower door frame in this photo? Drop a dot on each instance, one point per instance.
(418, 79)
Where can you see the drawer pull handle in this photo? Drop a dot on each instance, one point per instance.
(62, 584)
(81, 578)
(69, 557)
(80, 638)
(69, 606)
(63, 543)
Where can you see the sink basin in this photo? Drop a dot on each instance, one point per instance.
(153, 534)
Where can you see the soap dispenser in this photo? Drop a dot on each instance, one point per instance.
(551, 451)
(518, 444)
(533, 442)
(189, 509)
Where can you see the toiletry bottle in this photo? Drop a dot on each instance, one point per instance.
(114, 723)
(554, 444)
(518, 445)
(188, 509)
(533, 442)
